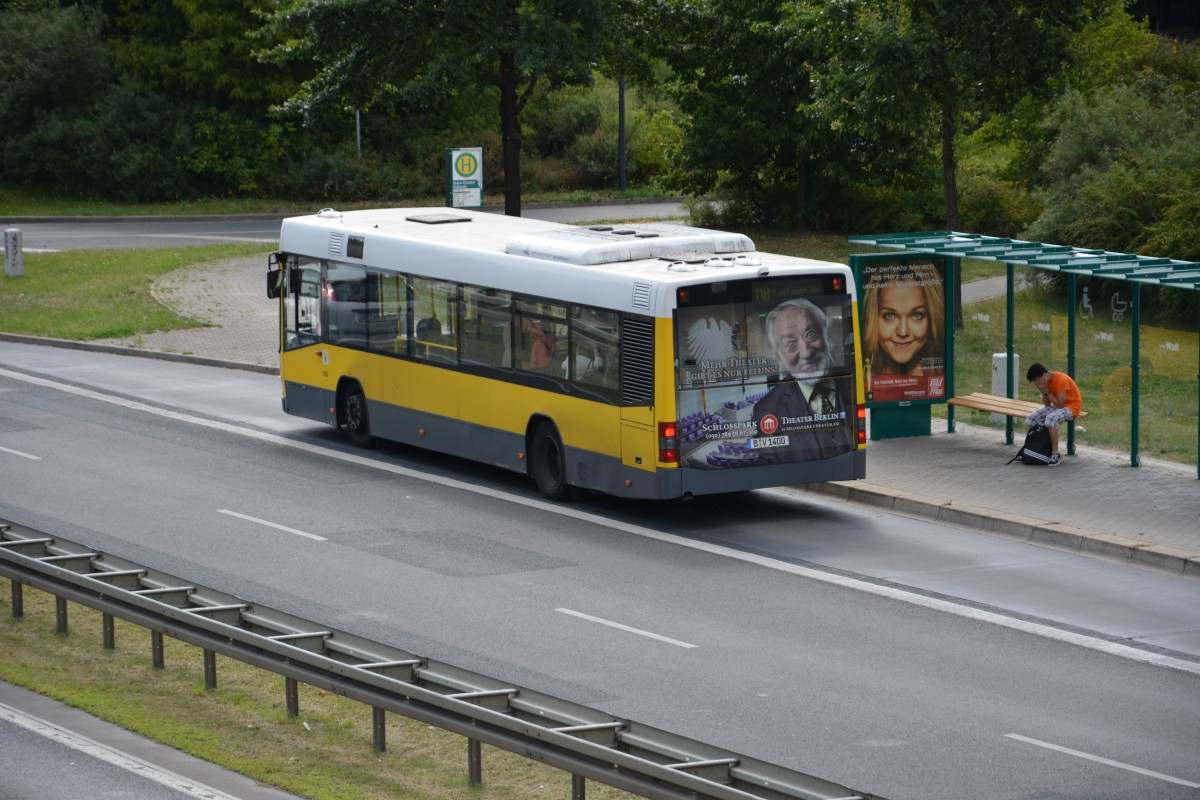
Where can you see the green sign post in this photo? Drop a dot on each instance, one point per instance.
(464, 177)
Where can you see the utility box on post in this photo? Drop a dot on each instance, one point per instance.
(14, 260)
(999, 382)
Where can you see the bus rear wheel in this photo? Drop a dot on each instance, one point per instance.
(358, 425)
(549, 462)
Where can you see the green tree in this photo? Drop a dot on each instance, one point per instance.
(68, 121)
(1121, 160)
(203, 50)
(768, 128)
(56, 64)
(946, 61)
(741, 82)
(424, 52)
(198, 55)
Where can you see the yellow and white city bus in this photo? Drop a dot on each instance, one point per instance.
(645, 361)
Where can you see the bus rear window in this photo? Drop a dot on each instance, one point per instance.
(765, 329)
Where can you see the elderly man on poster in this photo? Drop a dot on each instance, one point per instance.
(805, 405)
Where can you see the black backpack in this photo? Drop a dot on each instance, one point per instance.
(1036, 449)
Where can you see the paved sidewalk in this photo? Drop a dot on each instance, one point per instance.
(1095, 502)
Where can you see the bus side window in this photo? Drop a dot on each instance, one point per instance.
(434, 309)
(593, 353)
(485, 327)
(387, 302)
(541, 333)
(347, 310)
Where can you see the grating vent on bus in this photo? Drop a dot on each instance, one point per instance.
(337, 244)
(641, 295)
(637, 361)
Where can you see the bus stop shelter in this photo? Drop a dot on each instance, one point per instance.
(1099, 332)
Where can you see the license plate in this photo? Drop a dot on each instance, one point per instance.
(767, 441)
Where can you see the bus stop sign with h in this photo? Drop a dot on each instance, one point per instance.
(464, 177)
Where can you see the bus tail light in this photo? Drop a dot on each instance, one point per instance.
(668, 442)
(862, 425)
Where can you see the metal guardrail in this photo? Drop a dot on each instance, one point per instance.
(583, 741)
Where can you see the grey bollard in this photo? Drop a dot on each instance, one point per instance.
(14, 261)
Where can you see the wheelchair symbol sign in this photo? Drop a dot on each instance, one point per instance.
(1085, 305)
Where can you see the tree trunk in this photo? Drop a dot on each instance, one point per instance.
(803, 195)
(510, 131)
(949, 171)
(950, 188)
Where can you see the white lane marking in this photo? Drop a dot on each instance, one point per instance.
(111, 756)
(625, 628)
(275, 525)
(1101, 760)
(890, 592)
(19, 453)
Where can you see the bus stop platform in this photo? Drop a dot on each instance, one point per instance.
(1094, 503)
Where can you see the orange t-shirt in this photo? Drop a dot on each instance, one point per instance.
(1061, 382)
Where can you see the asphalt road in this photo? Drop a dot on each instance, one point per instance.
(80, 233)
(896, 655)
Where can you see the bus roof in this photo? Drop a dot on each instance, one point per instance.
(632, 267)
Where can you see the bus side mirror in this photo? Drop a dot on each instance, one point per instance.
(273, 286)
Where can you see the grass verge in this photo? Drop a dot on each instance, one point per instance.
(102, 294)
(325, 753)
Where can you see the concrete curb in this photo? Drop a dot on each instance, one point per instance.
(1044, 533)
(136, 351)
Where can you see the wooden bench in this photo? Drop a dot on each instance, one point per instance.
(1000, 405)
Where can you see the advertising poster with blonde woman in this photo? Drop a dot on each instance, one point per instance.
(904, 331)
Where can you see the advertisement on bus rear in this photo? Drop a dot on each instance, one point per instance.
(767, 378)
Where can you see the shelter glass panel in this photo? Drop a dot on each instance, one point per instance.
(980, 344)
(1168, 393)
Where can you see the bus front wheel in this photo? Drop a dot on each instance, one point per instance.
(358, 425)
(549, 463)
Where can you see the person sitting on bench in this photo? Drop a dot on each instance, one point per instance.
(1061, 402)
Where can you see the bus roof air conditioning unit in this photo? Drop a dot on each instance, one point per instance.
(602, 244)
